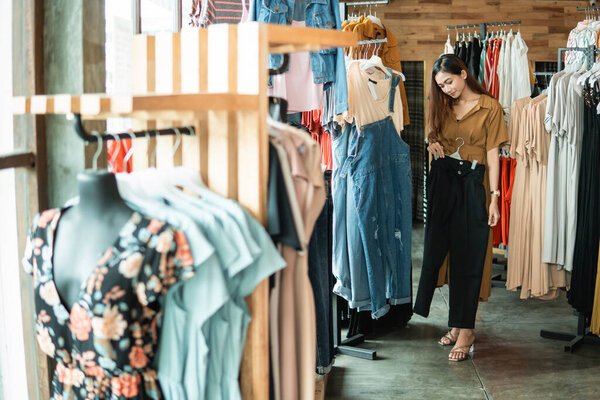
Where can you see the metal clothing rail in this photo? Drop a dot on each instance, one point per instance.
(483, 26)
(506, 23)
(589, 53)
(365, 3)
(91, 138)
(594, 8)
(374, 41)
(581, 335)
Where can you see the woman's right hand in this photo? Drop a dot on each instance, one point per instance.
(436, 150)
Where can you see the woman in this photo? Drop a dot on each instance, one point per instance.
(467, 128)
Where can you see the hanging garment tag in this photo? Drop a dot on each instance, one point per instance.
(474, 164)
(372, 89)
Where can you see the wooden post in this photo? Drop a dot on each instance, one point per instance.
(194, 79)
(168, 81)
(253, 159)
(144, 72)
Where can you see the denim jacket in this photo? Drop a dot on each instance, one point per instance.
(327, 65)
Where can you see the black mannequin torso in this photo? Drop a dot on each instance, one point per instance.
(85, 231)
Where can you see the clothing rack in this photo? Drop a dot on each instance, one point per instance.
(347, 346)
(106, 136)
(374, 41)
(218, 86)
(483, 26)
(593, 8)
(589, 53)
(365, 3)
(581, 336)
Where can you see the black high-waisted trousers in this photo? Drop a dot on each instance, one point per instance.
(457, 222)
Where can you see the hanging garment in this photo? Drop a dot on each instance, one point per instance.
(529, 144)
(294, 305)
(494, 84)
(115, 154)
(368, 98)
(585, 260)
(507, 187)
(475, 57)
(106, 341)
(564, 121)
(458, 224)
(365, 29)
(505, 74)
(372, 181)
(482, 63)
(595, 322)
(297, 84)
(246, 255)
(520, 81)
(448, 49)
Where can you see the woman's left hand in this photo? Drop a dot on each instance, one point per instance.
(494, 214)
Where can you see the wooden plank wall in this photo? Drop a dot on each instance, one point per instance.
(420, 25)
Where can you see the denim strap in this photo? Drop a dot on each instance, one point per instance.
(395, 82)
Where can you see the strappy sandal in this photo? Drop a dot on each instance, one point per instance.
(463, 351)
(447, 339)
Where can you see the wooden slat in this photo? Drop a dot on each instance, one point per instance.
(304, 39)
(222, 78)
(168, 81)
(144, 72)
(253, 160)
(103, 106)
(194, 79)
(17, 160)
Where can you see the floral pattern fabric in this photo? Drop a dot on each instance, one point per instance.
(105, 343)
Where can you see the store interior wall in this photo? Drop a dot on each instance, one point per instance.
(420, 25)
(74, 40)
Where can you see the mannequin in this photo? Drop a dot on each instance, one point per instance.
(85, 231)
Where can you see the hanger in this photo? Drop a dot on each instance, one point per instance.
(456, 154)
(130, 152)
(177, 142)
(374, 61)
(98, 150)
(116, 153)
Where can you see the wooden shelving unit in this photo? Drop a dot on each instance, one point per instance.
(216, 80)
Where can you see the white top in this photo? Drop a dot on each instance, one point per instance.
(368, 97)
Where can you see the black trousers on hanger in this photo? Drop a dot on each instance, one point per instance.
(457, 222)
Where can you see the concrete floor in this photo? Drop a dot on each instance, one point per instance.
(510, 361)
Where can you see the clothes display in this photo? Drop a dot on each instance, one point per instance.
(372, 187)
(293, 323)
(499, 62)
(327, 65)
(297, 85)
(108, 341)
(370, 28)
(530, 146)
(585, 256)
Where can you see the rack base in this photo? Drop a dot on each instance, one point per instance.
(576, 340)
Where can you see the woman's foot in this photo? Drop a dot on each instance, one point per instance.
(450, 337)
(463, 346)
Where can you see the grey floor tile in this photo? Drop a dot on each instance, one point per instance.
(510, 361)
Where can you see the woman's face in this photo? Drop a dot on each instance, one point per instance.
(452, 85)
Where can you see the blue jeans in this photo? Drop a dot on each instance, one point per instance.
(319, 272)
(348, 261)
(381, 184)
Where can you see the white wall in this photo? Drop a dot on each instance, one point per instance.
(13, 381)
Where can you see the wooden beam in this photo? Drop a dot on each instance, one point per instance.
(17, 160)
(286, 39)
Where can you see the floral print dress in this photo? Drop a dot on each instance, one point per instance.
(105, 343)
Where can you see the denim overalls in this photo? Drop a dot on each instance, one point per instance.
(372, 198)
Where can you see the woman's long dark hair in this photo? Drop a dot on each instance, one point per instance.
(440, 102)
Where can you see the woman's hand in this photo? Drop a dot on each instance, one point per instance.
(494, 214)
(436, 150)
